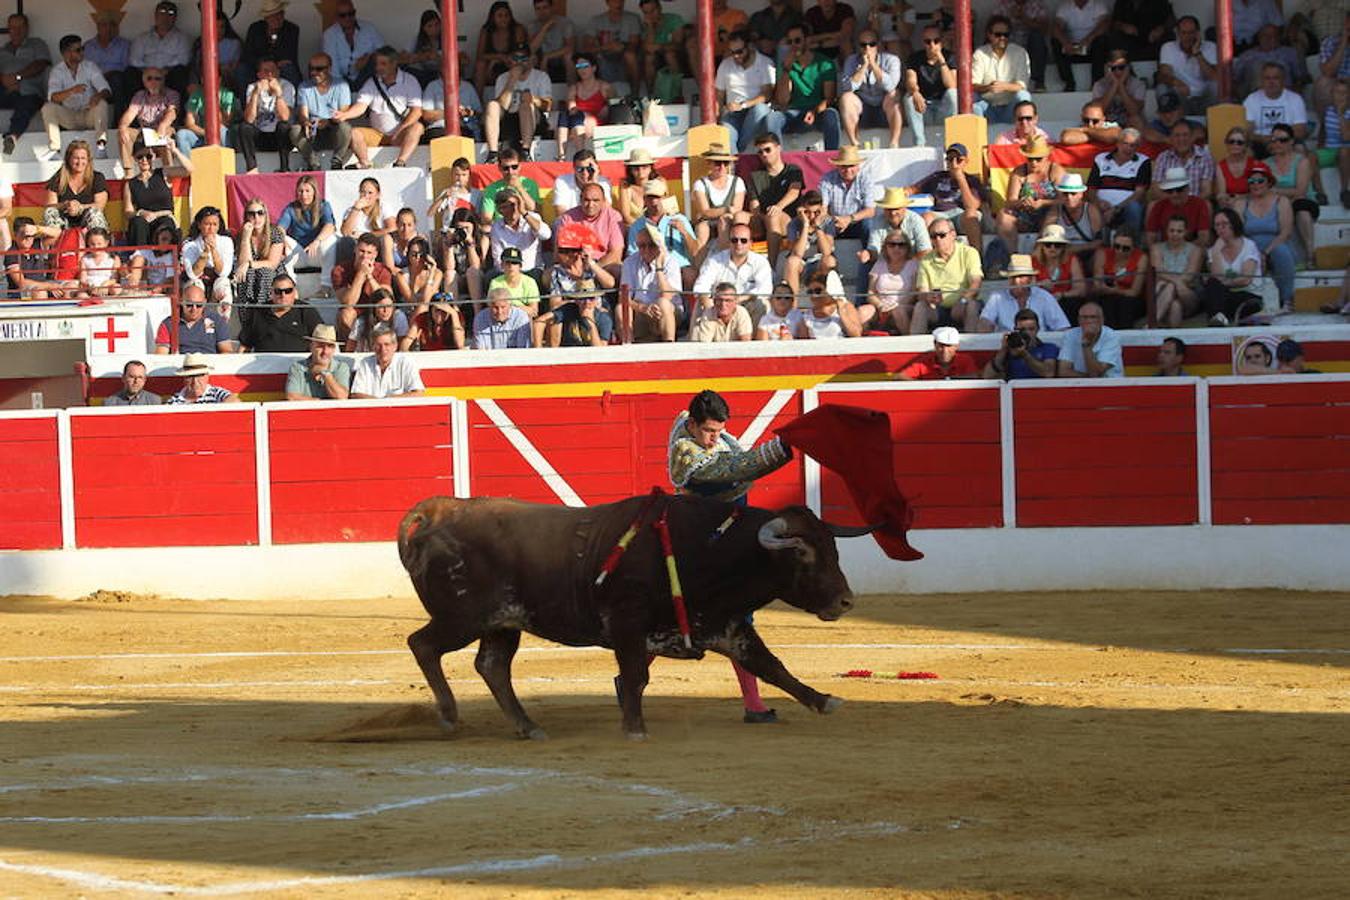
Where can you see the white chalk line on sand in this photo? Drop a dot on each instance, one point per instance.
(1085, 648)
(504, 866)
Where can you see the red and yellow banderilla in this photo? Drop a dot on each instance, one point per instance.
(612, 561)
(662, 527)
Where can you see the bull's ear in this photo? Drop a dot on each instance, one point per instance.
(774, 535)
(848, 531)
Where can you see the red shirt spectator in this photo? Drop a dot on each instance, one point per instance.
(1195, 211)
(928, 368)
(343, 272)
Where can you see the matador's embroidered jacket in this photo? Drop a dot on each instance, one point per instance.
(725, 472)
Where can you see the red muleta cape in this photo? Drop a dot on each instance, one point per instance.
(838, 437)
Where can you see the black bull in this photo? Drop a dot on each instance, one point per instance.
(487, 569)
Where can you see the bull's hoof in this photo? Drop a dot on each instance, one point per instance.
(636, 736)
(536, 734)
(449, 726)
(830, 705)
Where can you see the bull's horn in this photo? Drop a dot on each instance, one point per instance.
(848, 531)
(773, 535)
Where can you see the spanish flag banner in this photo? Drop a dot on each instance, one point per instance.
(545, 173)
(30, 199)
(1003, 158)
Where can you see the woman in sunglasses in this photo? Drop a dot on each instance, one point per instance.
(830, 316)
(1268, 221)
(420, 278)
(890, 288)
(1293, 173)
(1031, 193)
(258, 252)
(1120, 273)
(1234, 168)
(587, 105)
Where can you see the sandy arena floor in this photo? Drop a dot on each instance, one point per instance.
(1075, 745)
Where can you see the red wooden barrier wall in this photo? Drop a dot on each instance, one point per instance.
(1280, 453)
(1105, 455)
(30, 484)
(350, 473)
(165, 479)
(604, 448)
(946, 452)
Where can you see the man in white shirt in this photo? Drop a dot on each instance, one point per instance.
(567, 188)
(351, 44)
(1273, 105)
(514, 227)
(748, 271)
(164, 47)
(77, 97)
(999, 73)
(1092, 350)
(867, 90)
(470, 110)
(1000, 312)
(652, 277)
(520, 101)
(744, 84)
(267, 116)
(1186, 68)
(391, 100)
(1078, 34)
(386, 372)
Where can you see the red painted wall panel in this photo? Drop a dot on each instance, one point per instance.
(945, 455)
(1105, 456)
(1280, 453)
(165, 479)
(349, 473)
(30, 484)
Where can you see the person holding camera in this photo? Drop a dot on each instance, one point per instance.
(1023, 354)
(462, 256)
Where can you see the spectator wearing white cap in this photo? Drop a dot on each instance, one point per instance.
(321, 375)
(1178, 201)
(197, 386)
(1091, 350)
(1001, 312)
(1081, 221)
(942, 363)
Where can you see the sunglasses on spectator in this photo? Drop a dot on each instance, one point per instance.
(1118, 67)
(940, 234)
(283, 291)
(318, 68)
(896, 244)
(583, 65)
(1258, 179)
(1002, 34)
(349, 14)
(796, 41)
(1122, 248)
(1087, 121)
(868, 43)
(738, 51)
(1030, 118)
(257, 212)
(1279, 140)
(932, 40)
(510, 167)
(27, 235)
(1235, 142)
(765, 150)
(188, 305)
(154, 78)
(416, 253)
(739, 240)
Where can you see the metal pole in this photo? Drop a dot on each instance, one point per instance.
(964, 95)
(707, 67)
(1223, 26)
(175, 299)
(450, 63)
(210, 72)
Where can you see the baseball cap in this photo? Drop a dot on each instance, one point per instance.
(946, 335)
(511, 255)
(1169, 103)
(959, 150)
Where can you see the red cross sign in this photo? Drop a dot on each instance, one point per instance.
(111, 335)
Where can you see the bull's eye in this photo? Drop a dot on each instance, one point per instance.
(807, 554)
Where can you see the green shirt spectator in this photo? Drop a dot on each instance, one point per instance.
(488, 202)
(808, 81)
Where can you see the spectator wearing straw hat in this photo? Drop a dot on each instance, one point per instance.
(941, 363)
(1058, 270)
(272, 36)
(1031, 193)
(744, 84)
(321, 375)
(948, 283)
(1177, 200)
(199, 330)
(1003, 308)
(849, 194)
(805, 90)
(869, 98)
(672, 226)
(579, 321)
(895, 215)
(197, 386)
(717, 197)
(112, 54)
(1081, 221)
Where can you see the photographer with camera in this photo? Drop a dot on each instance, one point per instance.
(462, 257)
(1023, 354)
